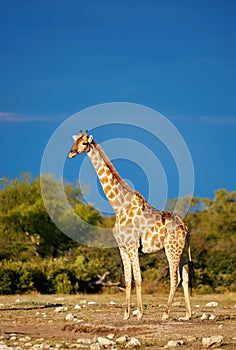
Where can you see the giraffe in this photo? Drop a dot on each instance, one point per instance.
(138, 223)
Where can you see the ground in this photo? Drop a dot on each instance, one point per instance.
(39, 321)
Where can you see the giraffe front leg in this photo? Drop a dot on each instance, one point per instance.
(128, 277)
(138, 281)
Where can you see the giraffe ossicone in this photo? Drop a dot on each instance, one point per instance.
(137, 222)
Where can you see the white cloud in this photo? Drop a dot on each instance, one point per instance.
(220, 120)
(12, 117)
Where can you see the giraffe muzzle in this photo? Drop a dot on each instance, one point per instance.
(72, 154)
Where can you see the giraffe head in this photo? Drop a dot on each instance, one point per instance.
(82, 144)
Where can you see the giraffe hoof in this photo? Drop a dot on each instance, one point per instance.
(165, 316)
(126, 317)
(138, 314)
(185, 318)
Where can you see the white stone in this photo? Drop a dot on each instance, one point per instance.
(204, 317)
(212, 317)
(84, 341)
(135, 313)
(112, 302)
(25, 339)
(77, 307)
(174, 343)
(61, 308)
(133, 342)
(70, 317)
(122, 339)
(110, 336)
(13, 337)
(105, 342)
(214, 340)
(92, 303)
(212, 304)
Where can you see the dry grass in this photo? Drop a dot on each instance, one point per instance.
(34, 316)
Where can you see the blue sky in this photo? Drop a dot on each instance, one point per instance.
(176, 57)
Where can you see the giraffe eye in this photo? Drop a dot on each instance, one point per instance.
(85, 143)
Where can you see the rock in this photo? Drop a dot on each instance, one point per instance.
(61, 308)
(13, 338)
(135, 313)
(214, 340)
(174, 343)
(112, 302)
(212, 317)
(95, 346)
(79, 321)
(28, 345)
(110, 336)
(122, 339)
(25, 339)
(84, 341)
(70, 317)
(77, 307)
(204, 317)
(133, 343)
(92, 303)
(104, 342)
(212, 304)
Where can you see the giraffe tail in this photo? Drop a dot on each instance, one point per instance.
(191, 271)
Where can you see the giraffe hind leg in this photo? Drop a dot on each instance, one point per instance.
(185, 285)
(174, 280)
(138, 281)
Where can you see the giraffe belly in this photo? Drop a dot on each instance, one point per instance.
(151, 242)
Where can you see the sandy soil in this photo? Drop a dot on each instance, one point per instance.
(31, 321)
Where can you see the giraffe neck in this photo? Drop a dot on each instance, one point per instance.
(115, 188)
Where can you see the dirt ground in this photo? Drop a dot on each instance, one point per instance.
(39, 322)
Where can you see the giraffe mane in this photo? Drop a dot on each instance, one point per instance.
(115, 173)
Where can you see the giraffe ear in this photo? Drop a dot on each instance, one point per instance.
(75, 137)
(90, 139)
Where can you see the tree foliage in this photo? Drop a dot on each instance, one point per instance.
(36, 256)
